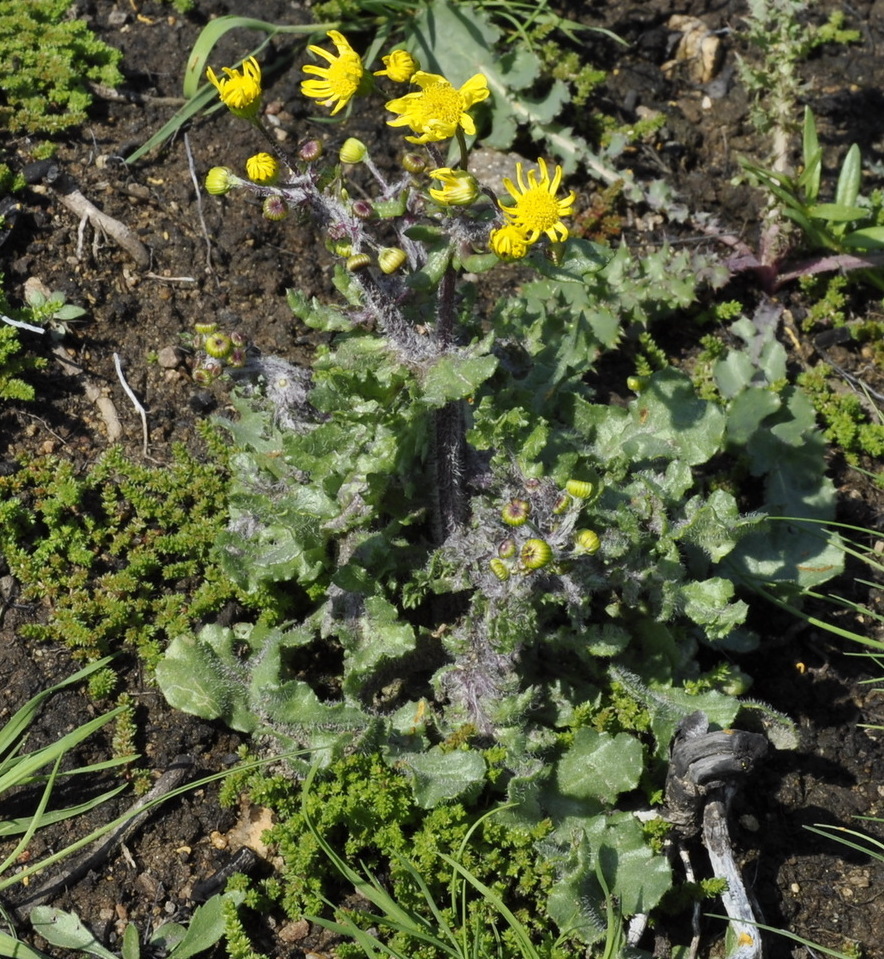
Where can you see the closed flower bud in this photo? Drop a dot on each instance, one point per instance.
(263, 169)
(275, 208)
(536, 553)
(218, 345)
(586, 541)
(208, 372)
(391, 258)
(205, 328)
(362, 209)
(220, 180)
(500, 569)
(459, 188)
(636, 383)
(342, 247)
(414, 163)
(506, 549)
(516, 512)
(311, 150)
(579, 489)
(359, 261)
(562, 504)
(353, 151)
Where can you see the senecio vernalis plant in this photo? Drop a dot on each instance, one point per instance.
(485, 575)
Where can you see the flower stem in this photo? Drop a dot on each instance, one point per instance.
(449, 441)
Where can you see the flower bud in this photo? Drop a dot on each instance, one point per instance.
(205, 328)
(562, 504)
(362, 209)
(508, 242)
(506, 548)
(218, 345)
(414, 163)
(516, 512)
(311, 150)
(238, 339)
(500, 569)
(220, 180)
(237, 358)
(342, 247)
(636, 383)
(359, 261)
(586, 541)
(391, 258)
(275, 208)
(263, 169)
(536, 553)
(579, 489)
(459, 188)
(353, 151)
(399, 66)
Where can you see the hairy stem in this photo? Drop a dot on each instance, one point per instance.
(448, 426)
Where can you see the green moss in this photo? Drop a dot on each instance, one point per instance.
(122, 554)
(12, 363)
(366, 810)
(846, 423)
(54, 59)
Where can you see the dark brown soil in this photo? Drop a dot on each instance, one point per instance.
(219, 258)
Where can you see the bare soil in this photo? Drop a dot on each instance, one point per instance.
(217, 257)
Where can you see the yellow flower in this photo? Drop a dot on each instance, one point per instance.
(438, 109)
(262, 169)
(400, 66)
(509, 242)
(459, 188)
(240, 92)
(341, 79)
(538, 209)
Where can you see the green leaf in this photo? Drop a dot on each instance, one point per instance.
(206, 926)
(599, 766)
(454, 377)
(813, 155)
(669, 421)
(317, 315)
(193, 675)
(836, 212)
(866, 238)
(849, 178)
(439, 776)
(708, 604)
(66, 930)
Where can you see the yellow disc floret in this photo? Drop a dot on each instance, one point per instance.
(438, 110)
(341, 79)
(538, 209)
(400, 66)
(240, 92)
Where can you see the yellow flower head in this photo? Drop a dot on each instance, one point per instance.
(262, 169)
(341, 79)
(438, 109)
(400, 66)
(459, 188)
(508, 242)
(538, 209)
(240, 92)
